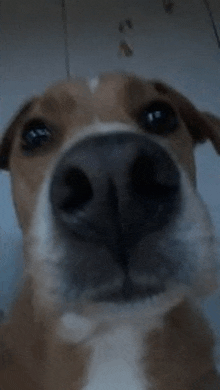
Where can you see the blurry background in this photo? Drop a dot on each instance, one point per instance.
(170, 40)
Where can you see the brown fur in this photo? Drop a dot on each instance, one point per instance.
(181, 352)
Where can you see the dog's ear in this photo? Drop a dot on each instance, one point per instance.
(201, 125)
(214, 123)
(8, 136)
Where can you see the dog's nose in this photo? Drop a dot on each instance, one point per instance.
(115, 188)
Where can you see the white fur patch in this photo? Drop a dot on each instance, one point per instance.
(144, 315)
(98, 128)
(116, 335)
(116, 361)
(93, 84)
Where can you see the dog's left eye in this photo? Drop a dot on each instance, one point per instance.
(35, 135)
(159, 118)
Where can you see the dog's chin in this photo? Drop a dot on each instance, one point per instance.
(141, 308)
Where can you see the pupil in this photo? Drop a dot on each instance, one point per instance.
(159, 118)
(36, 135)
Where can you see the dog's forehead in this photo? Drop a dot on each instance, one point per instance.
(110, 82)
(109, 93)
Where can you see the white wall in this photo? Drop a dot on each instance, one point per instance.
(180, 49)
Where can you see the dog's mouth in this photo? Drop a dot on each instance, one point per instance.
(128, 274)
(113, 282)
(129, 292)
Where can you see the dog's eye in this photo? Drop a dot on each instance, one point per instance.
(35, 135)
(159, 118)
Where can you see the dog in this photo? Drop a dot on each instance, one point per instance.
(119, 247)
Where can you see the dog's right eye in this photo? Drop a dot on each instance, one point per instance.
(158, 118)
(35, 135)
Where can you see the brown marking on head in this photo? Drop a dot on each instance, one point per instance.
(138, 93)
(67, 104)
(50, 105)
(108, 99)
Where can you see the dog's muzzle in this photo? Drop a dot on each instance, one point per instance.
(112, 191)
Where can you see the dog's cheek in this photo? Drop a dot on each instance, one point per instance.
(25, 187)
(182, 145)
(27, 175)
(24, 201)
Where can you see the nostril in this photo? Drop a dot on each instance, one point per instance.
(142, 174)
(76, 190)
(153, 178)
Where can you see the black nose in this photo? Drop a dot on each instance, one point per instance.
(114, 189)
